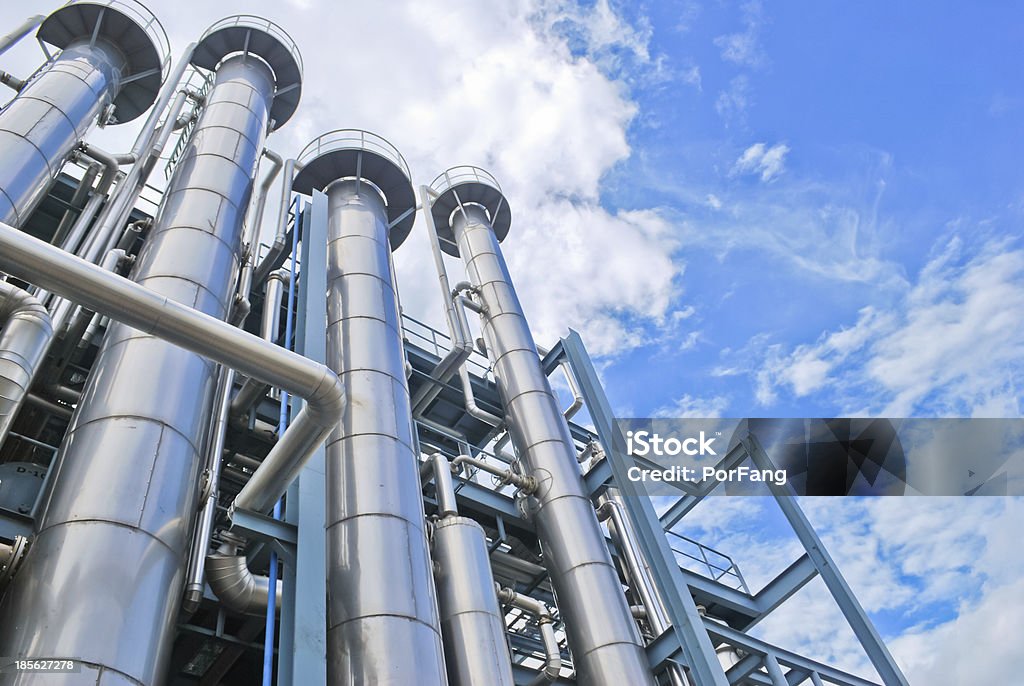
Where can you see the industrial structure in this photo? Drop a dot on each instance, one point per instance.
(230, 462)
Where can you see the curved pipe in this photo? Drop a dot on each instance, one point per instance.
(281, 237)
(472, 408)
(527, 484)
(458, 326)
(236, 586)
(122, 300)
(24, 339)
(553, 664)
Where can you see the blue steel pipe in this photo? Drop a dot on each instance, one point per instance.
(282, 425)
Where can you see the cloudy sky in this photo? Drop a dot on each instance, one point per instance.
(747, 210)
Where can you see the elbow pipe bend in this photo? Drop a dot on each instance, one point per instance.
(236, 586)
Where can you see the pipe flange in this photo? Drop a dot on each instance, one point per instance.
(9, 563)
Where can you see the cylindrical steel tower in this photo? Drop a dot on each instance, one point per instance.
(103, 580)
(112, 52)
(382, 618)
(471, 216)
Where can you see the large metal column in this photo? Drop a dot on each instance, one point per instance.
(111, 53)
(605, 643)
(382, 618)
(103, 580)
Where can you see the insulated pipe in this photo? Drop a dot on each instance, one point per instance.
(458, 328)
(25, 330)
(606, 646)
(472, 408)
(553, 663)
(195, 577)
(376, 540)
(127, 474)
(280, 243)
(148, 146)
(640, 577)
(235, 585)
(22, 30)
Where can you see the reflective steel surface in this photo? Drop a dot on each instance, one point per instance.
(382, 618)
(605, 643)
(472, 623)
(44, 122)
(103, 580)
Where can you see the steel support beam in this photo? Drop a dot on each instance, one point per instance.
(851, 608)
(698, 652)
(303, 647)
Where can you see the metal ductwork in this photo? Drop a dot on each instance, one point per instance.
(471, 216)
(114, 539)
(25, 330)
(111, 63)
(379, 582)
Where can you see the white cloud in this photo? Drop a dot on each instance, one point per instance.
(743, 48)
(732, 103)
(689, 406)
(952, 345)
(759, 159)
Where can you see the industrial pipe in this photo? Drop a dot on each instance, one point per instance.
(524, 482)
(553, 662)
(640, 577)
(252, 390)
(280, 243)
(195, 576)
(71, 277)
(25, 330)
(235, 585)
(22, 30)
(458, 326)
(472, 408)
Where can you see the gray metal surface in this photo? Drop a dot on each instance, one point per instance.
(606, 646)
(25, 331)
(44, 122)
(248, 34)
(140, 39)
(472, 623)
(104, 577)
(383, 627)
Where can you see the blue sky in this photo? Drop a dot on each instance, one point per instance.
(787, 209)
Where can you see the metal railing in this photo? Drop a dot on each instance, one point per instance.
(353, 139)
(696, 557)
(199, 83)
(438, 343)
(252, 21)
(146, 20)
(463, 174)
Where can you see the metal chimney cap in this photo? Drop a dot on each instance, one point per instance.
(247, 33)
(130, 27)
(467, 184)
(354, 153)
